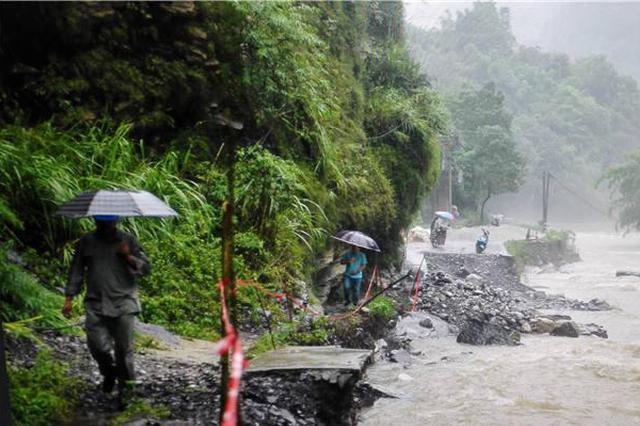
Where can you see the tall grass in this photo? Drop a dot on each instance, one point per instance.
(43, 167)
(42, 394)
(25, 300)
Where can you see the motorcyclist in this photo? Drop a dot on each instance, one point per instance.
(482, 241)
(439, 228)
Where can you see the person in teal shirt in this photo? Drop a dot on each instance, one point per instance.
(355, 262)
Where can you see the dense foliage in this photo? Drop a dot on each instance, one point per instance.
(487, 157)
(624, 181)
(383, 307)
(570, 117)
(24, 300)
(181, 292)
(42, 394)
(339, 130)
(582, 29)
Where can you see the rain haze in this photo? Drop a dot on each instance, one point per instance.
(534, 54)
(577, 30)
(312, 213)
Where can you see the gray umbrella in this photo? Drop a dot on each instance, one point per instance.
(357, 238)
(115, 203)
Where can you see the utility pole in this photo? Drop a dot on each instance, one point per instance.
(228, 273)
(450, 177)
(546, 177)
(5, 406)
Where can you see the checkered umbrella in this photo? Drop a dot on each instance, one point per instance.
(357, 238)
(446, 216)
(116, 203)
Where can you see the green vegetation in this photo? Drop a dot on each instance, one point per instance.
(522, 256)
(572, 118)
(556, 246)
(305, 331)
(139, 409)
(25, 302)
(558, 235)
(339, 131)
(487, 156)
(142, 341)
(42, 394)
(382, 307)
(624, 183)
(64, 163)
(302, 331)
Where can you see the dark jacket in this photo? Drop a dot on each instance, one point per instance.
(112, 288)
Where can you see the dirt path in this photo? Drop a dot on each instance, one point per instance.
(463, 240)
(194, 350)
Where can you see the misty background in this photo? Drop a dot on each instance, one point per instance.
(575, 28)
(593, 41)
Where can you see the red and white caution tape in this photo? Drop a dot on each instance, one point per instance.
(281, 296)
(415, 292)
(231, 344)
(374, 274)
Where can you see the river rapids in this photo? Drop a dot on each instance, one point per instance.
(545, 381)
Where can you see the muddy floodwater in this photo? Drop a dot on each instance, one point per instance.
(545, 381)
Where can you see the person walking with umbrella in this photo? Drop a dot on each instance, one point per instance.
(110, 262)
(355, 261)
(439, 225)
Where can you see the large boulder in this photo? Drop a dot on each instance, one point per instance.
(593, 330)
(566, 329)
(525, 327)
(543, 325)
(426, 323)
(477, 332)
(598, 305)
(418, 235)
(557, 317)
(327, 279)
(474, 279)
(400, 356)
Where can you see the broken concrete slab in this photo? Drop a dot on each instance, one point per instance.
(312, 358)
(627, 274)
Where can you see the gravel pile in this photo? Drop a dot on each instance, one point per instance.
(190, 390)
(483, 296)
(542, 300)
(457, 300)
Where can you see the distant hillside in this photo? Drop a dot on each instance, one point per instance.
(581, 29)
(576, 29)
(339, 131)
(573, 118)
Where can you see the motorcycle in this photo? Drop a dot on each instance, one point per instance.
(482, 242)
(438, 234)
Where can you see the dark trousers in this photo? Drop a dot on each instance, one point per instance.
(352, 290)
(107, 333)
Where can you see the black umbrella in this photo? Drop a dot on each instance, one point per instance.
(116, 203)
(357, 238)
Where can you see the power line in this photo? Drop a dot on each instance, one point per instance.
(578, 196)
